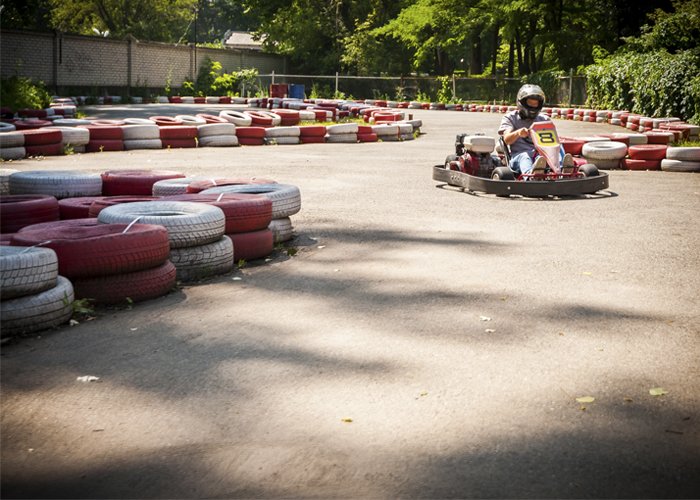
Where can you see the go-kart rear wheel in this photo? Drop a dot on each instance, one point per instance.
(589, 170)
(503, 174)
(449, 159)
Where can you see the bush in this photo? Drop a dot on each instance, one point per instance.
(548, 82)
(653, 83)
(19, 93)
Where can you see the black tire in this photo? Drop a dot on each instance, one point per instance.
(503, 174)
(589, 170)
(26, 271)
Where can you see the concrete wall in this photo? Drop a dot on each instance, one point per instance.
(61, 60)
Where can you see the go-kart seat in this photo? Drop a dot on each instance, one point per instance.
(505, 148)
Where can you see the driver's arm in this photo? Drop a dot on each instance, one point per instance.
(511, 137)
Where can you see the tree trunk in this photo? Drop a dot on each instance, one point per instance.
(511, 58)
(476, 67)
(495, 49)
(519, 53)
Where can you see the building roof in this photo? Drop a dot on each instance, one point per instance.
(242, 40)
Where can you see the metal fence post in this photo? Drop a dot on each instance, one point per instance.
(571, 86)
(336, 84)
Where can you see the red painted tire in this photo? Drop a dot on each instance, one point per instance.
(42, 136)
(310, 139)
(31, 124)
(104, 132)
(252, 245)
(224, 100)
(250, 132)
(371, 137)
(100, 249)
(211, 118)
(197, 186)
(6, 239)
(32, 113)
(68, 224)
(631, 164)
(243, 212)
(76, 208)
(648, 152)
(178, 132)
(45, 150)
(175, 99)
(658, 138)
(312, 131)
(108, 123)
(364, 129)
(572, 146)
(107, 201)
(200, 100)
(134, 182)
(99, 145)
(21, 210)
(135, 287)
(165, 121)
(179, 143)
(321, 114)
(290, 117)
(250, 141)
(260, 119)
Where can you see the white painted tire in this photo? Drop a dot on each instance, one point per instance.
(218, 141)
(171, 187)
(406, 137)
(7, 127)
(613, 164)
(286, 198)
(210, 129)
(11, 139)
(276, 119)
(70, 122)
(238, 118)
(57, 183)
(637, 139)
(292, 131)
(26, 271)
(605, 150)
(15, 153)
(202, 261)
(191, 120)
(74, 136)
(138, 121)
(683, 154)
(282, 229)
(132, 144)
(384, 130)
(669, 165)
(342, 138)
(187, 99)
(162, 99)
(141, 132)
(342, 128)
(306, 116)
(188, 223)
(37, 312)
(212, 99)
(406, 128)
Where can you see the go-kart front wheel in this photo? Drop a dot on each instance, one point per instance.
(589, 170)
(503, 174)
(450, 159)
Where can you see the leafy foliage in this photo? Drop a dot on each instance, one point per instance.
(18, 93)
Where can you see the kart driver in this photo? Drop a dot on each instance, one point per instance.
(515, 129)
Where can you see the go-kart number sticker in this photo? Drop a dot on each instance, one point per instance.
(546, 138)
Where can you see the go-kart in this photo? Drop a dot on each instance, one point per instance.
(475, 168)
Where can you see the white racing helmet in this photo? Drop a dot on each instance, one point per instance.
(526, 92)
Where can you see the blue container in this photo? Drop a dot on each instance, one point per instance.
(296, 91)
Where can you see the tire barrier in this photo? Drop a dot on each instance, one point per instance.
(5, 180)
(57, 183)
(76, 208)
(26, 271)
(169, 187)
(243, 212)
(282, 229)
(203, 261)
(101, 203)
(252, 245)
(286, 198)
(136, 286)
(200, 184)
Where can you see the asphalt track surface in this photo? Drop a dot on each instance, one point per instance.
(422, 342)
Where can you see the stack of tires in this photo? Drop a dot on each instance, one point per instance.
(366, 134)
(312, 134)
(179, 136)
(73, 138)
(250, 136)
(134, 182)
(108, 263)
(286, 201)
(217, 135)
(142, 136)
(33, 297)
(604, 154)
(681, 159)
(645, 157)
(283, 135)
(46, 141)
(248, 217)
(18, 211)
(5, 180)
(108, 137)
(198, 247)
(12, 145)
(342, 133)
(387, 132)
